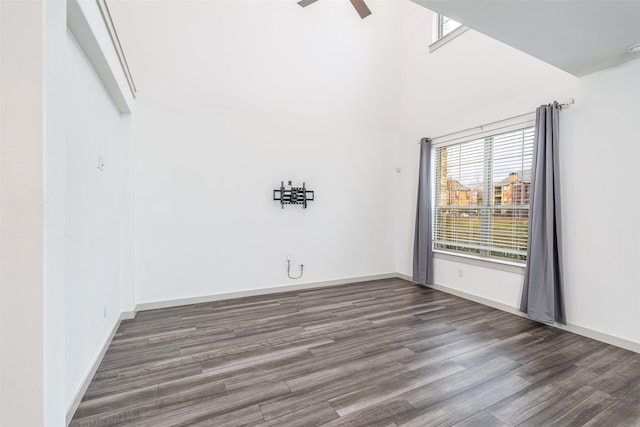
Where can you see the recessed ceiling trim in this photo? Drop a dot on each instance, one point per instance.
(113, 34)
(87, 26)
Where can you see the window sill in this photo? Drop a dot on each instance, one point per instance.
(446, 39)
(495, 264)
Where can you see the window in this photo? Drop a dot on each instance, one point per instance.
(493, 170)
(444, 30)
(446, 26)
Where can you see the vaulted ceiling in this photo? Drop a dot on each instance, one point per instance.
(577, 36)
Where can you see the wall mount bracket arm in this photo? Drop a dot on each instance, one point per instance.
(290, 195)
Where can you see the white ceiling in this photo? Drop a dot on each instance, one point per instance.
(577, 36)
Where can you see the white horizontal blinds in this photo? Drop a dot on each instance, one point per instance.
(459, 182)
(512, 162)
(482, 193)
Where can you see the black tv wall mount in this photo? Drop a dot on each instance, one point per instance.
(290, 195)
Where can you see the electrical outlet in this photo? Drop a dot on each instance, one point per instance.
(460, 273)
(100, 162)
(104, 311)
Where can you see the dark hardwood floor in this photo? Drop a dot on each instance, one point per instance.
(384, 353)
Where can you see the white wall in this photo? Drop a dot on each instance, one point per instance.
(21, 218)
(1, 119)
(127, 263)
(205, 219)
(276, 95)
(600, 140)
(600, 160)
(93, 216)
(55, 140)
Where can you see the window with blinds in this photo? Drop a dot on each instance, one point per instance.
(482, 190)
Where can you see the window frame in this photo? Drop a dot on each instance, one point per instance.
(440, 40)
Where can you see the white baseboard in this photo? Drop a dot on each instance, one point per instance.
(576, 329)
(601, 336)
(84, 385)
(128, 315)
(254, 292)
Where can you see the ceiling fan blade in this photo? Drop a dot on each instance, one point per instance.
(361, 8)
(305, 3)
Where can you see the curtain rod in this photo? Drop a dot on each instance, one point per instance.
(569, 102)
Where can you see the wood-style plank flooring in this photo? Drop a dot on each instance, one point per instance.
(383, 353)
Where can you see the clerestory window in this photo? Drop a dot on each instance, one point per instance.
(446, 26)
(445, 30)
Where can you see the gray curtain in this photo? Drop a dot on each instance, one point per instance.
(543, 294)
(422, 247)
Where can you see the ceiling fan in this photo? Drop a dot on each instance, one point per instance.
(359, 5)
